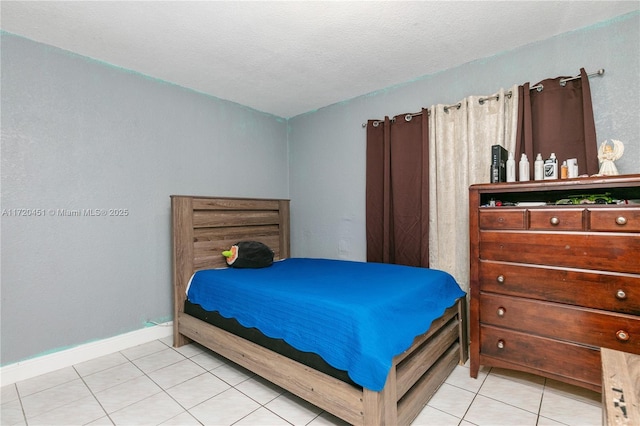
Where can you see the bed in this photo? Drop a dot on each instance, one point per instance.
(203, 227)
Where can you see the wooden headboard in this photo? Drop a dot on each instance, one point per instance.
(203, 227)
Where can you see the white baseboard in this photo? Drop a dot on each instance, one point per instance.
(23, 370)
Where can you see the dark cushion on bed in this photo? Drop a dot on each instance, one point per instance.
(252, 254)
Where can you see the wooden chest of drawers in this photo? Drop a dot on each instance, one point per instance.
(552, 284)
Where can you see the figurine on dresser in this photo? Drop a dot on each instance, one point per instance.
(607, 154)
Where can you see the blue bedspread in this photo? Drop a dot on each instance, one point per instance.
(356, 315)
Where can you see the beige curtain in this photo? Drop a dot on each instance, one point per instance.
(460, 140)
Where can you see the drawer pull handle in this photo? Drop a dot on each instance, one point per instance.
(622, 335)
(554, 221)
(500, 279)
(621, 295)
(501, 311)
(500, 344)
(621, 220)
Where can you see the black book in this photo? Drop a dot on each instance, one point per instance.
(498, 164)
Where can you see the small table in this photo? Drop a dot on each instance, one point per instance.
(620, 388)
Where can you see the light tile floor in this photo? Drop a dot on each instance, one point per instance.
(155, 384)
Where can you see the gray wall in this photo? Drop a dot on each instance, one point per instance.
(327, 147)
(79, 134)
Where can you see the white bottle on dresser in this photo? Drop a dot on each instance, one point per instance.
(511, 168)
(524, 168)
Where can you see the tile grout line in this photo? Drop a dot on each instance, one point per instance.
(130, 361)
(94, 395)
(24, 413)
(474, 398)
(544, 390)
(20, 398)
(164, 390)
(544, 387)
(231, 386)
(537, 414)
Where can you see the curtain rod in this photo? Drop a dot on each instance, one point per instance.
(481, 101)
(563, 82)
(537, 87)
(407, 117)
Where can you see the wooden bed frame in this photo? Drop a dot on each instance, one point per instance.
(205, 226)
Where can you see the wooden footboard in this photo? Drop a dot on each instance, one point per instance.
(414, 377)
(205, 226)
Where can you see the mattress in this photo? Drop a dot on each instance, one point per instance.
(279, 346)
(355, 315)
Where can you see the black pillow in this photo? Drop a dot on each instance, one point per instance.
(249, 254)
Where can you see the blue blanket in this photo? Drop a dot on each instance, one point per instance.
(355, 315)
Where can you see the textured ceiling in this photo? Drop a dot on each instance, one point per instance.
(288, 58)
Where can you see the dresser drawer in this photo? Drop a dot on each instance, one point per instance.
(545, 354)
(615, 219)
(501, 218)
(603, 251)
(592, 289)
(565, 219)
(563, 322)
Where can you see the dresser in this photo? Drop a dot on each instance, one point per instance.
(555, 275)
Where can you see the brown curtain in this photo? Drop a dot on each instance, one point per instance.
(397, 193)
(558, 119)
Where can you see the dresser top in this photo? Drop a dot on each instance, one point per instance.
(594, 182)
(550, 192)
